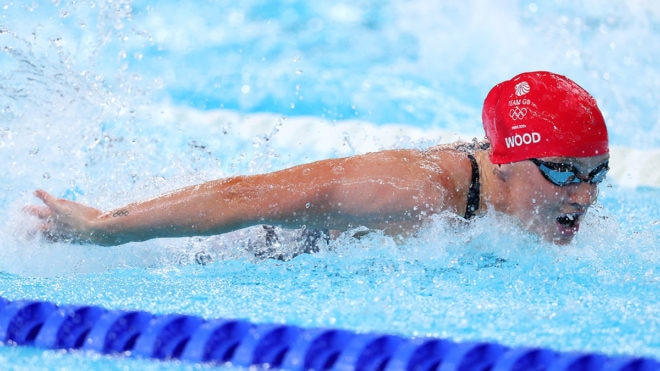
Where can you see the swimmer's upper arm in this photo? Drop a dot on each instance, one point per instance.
(371, 189)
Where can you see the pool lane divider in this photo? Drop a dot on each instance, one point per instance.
(241, 343)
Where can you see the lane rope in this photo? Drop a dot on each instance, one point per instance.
(241, 343)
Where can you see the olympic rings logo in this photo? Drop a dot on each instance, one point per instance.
(517, 113)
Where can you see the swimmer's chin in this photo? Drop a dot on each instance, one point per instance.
(558, 239)
(563, 239)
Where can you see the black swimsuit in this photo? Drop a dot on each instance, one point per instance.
(473, 192)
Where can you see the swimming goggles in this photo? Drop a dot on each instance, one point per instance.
(563, 174)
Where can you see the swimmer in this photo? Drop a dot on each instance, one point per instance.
(545, 153)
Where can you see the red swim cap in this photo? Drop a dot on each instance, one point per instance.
(542, 114)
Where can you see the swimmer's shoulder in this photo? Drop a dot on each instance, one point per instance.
(452, 171)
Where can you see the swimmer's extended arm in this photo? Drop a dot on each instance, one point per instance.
(379, 190)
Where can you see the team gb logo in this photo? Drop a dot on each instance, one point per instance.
(522, 88)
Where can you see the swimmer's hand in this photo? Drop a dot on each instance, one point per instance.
(63, 220)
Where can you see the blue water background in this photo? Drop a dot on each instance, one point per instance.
(108, 102)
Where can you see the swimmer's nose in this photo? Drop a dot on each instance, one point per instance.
(584, 194)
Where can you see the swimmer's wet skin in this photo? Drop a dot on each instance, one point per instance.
(546, 152)
(567, 174)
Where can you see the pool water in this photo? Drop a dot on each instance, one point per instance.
(108, 102)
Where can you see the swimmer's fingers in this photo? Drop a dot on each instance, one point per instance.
(67, 209)
(50, 227)
(45, 226)
(61, 219)
(49, 200)
(41, 212)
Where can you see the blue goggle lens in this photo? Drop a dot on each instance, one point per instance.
(562, 174)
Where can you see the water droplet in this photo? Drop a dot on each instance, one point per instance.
(338, 169)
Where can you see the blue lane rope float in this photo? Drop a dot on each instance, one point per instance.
(241, 343)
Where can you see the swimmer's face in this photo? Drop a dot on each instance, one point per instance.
(552, 211)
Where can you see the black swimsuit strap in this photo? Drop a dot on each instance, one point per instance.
(473, 192)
